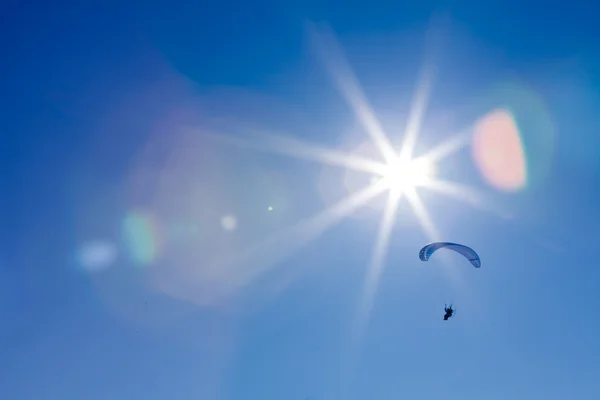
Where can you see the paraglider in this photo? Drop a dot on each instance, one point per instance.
(466, 251)
(463, 250)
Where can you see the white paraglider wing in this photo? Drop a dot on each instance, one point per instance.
(466, 251)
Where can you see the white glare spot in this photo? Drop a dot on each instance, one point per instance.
(405, 176)
(229, 223)
(98, 255)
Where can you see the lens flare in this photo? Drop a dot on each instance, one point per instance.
(97, 255)
(498, 151)
(229, 222)
(141, 235)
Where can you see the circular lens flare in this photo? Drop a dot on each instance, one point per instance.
(499, 152)
(229, 222)
(97, 255)
(141, 234)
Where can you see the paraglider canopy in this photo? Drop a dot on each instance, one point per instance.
(466, 251)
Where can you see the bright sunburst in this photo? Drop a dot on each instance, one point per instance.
(400, 174)
(406, 175)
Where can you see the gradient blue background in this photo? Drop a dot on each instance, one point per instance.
(84, 85)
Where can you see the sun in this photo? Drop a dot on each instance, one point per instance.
(394, 172)
(403, 176)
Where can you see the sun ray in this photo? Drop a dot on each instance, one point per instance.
(417, 112)
(458, 191)
(422, 214)
(295, 148)
(448, 147)
(278, 246)
(375, 267)
(430, 229)
(337, 66)
(467, 195)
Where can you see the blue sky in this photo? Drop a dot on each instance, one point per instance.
(154, 234)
